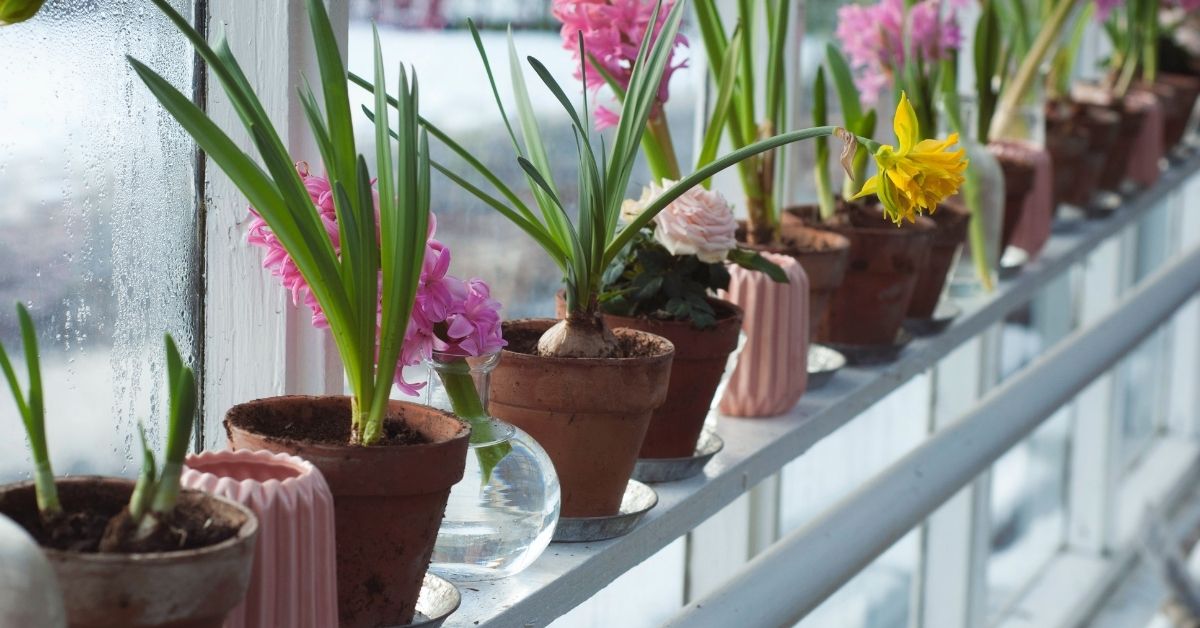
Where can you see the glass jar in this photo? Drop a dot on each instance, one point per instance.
(976, 269)
(502, 514)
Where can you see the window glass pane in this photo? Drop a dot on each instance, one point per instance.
(483, 243)
(97, 225)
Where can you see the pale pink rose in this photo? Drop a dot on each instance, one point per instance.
(699, 223)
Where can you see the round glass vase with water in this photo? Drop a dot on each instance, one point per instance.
(501, 516)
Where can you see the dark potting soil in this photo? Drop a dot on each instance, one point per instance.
(86, 515)
(326, 427)
(630, 345)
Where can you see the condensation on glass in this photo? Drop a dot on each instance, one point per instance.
(97, 225)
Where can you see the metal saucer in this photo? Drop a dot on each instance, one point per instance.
(871, 355)
(638, 500)
(944, 314)
(674, 469)
(823, 362)
(1013, 260)
(437, 601)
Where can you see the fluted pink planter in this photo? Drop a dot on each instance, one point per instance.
(294, 582)
(772, 371)
(1147, 149)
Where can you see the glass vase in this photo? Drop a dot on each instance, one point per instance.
(976, 270)
(501, 516)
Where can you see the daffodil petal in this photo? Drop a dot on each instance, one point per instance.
(908, 132)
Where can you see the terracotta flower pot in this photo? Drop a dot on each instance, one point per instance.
(885, 263)
(700, 359)
(187, 588)
(950, 231)
(1187, 90)
(772, 371)
(822, 254)
(1033, 222)
(1101, 125)
(1067, 139)
(1018, 183)
(388, 500)
(589, 414)
(294, 581)
(1133, 112)
(1147, 147)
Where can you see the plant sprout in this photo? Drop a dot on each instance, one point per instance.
(156, 491)
(33, 414)
(367, 291)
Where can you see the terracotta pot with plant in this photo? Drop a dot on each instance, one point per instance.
(129, 554)
(355, 247)
(886, 264)
(585, 392)
(822, 254)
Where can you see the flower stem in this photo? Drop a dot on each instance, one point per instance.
(659, 149)
(465, 401)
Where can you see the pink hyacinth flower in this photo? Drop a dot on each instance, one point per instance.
(612, 32)
(449, 314)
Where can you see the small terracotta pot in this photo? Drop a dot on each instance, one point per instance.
(1067, 139)
(772, 370)
(1035, 219)
(388, 500)
(294, 581)
(1147, 149)
(950, 231)
(589, 414)
(822, 254)
(1018, 183)
(885, 263)
(1187, 90)
(1102, 126)
(700, 359)
(193, 588)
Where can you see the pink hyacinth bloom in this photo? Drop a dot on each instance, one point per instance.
(449, 314)
(612, 32)
(1104, 8)
(873, 39)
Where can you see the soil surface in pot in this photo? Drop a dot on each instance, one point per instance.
(86, 515)
(333, 429)
(524, 340)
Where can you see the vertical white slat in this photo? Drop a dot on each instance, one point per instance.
(643, 597)
(252, 332)
(1185, 394)
(718, 548)
(953, 561)
(1095, 433)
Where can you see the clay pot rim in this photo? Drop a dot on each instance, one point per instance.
(665, 356)
(733, 312)
(922, 224)
(332, 449)
(246, 532)
(257, 457)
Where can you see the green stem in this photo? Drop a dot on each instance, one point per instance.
(46, 491)
(976, 229)
(659, 149)
(167, 489)
(466, 403)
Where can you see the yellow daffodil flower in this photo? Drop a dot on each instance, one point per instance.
(919, 174)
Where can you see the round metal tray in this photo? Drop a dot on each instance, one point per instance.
(675, 469)
(638, 500)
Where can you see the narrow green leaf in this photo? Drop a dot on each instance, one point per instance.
(726, 82)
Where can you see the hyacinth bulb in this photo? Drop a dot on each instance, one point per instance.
(14, 11)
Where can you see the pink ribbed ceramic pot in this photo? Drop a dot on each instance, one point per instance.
(772, 371)
(294, 581)
(1147, 148)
